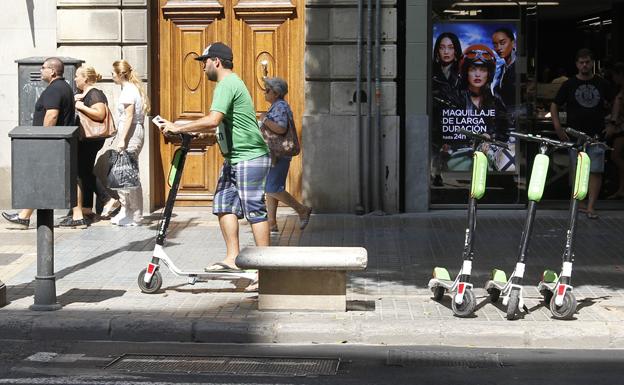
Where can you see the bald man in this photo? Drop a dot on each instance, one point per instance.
(55, 107)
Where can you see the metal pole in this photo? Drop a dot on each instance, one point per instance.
(369, 91)
(359, 208)
(378, 181)
(45, 285)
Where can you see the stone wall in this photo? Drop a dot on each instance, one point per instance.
(96, 31)
(330, 164)
(417, 59)
(28, 28)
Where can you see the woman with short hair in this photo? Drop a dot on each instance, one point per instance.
(277, 119)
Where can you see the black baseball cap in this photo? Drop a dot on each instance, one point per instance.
(219, 50)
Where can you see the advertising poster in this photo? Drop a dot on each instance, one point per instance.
(474, 87)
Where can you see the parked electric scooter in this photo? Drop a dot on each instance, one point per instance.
(463, 301)
(150, 279)
(511, 290)
(557, 288)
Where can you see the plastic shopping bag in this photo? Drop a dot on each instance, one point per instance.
(124, 171)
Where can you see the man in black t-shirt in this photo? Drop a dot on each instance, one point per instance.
(586, 98)
(55, 107)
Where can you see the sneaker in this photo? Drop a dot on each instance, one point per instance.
(73, 223)
(124, 222)
(120, 215)
(20, 223)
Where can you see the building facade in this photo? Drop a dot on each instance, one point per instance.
(369, 151)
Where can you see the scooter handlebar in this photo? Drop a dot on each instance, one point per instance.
(584, 138)
(483, 138)
(541, 139)
(578, 134)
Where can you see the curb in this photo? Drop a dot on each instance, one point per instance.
(476, 334)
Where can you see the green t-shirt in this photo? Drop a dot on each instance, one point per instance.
(239, 135)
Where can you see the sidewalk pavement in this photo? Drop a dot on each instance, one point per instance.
(389, 303)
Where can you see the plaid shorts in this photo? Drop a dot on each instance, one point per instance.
(240, 189)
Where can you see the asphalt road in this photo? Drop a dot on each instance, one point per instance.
(79, 363)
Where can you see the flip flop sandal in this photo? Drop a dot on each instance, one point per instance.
(592, 215)
(221, 267)
(303, 222)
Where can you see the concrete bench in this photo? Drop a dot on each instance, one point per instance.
(302, 278)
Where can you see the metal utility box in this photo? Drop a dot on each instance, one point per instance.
(31, 86)
(44, 167)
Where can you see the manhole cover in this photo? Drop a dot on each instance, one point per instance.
(274, 366)
(443, 359)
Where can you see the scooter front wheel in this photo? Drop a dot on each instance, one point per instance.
(467, 307)
(567, 308)
(513, 306)
(153, 286)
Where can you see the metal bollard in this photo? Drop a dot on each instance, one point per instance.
(45, 280)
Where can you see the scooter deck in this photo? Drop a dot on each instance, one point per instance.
(434, 282)
(202, 276)
(550, 286)
(491, 284)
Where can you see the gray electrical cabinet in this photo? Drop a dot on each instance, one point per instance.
(44, 167)
(31, 86)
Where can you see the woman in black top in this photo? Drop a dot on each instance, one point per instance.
(92, 103)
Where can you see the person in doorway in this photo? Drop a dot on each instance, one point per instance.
(504, 43)
(91, 102)
(614, 132)
(586, 99)
(131, 109)
(232, 123)
(55, 107)
(277, 119)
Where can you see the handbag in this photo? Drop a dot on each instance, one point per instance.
(280, 145)
(92, 129)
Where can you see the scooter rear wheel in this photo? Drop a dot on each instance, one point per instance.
(438, 293)
(513, 306)
(467, 307)
(547, 294)
(153, 286)
(494, 294)
(567, 309)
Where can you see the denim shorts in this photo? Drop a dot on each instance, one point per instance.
(596, 157)
(240, 189)
(276, 180)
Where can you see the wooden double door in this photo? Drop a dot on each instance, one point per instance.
(267, 39)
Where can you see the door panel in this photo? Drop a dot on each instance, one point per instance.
(267, 40)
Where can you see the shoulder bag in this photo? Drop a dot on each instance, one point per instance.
(280, 145)
(92, 129)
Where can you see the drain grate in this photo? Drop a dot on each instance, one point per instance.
(236, 365)
(443, 359)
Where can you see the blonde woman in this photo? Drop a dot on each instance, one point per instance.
(91, 102)
(131, 109)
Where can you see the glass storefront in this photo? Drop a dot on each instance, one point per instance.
(496, 67)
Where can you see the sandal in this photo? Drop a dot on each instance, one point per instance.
(303, 222)
(253, 287)
(109, 211)
(592, 215)
(221, 267)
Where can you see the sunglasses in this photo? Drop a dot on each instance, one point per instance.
(477, 54)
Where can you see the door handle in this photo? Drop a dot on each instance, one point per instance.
(265, 68)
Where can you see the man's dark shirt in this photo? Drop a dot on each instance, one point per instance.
(586, 103)
(58, 95)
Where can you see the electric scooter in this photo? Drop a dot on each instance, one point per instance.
(463, 301)
(150, 280)
(511, 290)
(557, 288)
